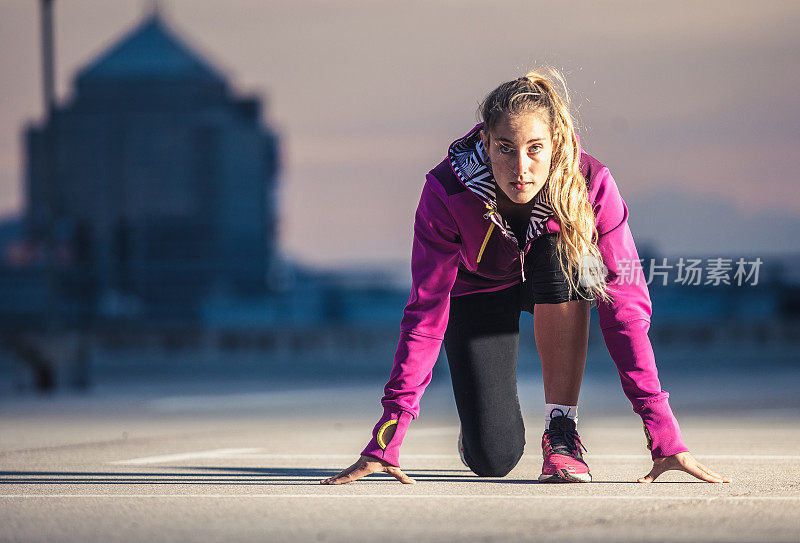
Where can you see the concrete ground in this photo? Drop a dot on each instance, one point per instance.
(234, 462)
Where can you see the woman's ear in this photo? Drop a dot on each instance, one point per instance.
(485, 140)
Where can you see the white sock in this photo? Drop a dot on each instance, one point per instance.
(556, 409)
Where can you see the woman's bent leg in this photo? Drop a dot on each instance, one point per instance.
(562, 337)
(561, 328)
(560, 322)
(482, 343)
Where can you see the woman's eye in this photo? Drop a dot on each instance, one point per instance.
(504, 149)
(535, 149)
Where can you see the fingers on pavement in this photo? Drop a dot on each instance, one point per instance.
(400, 476)
(658, 469)
(344, 475)
(716, 476)
(702, 475)
(649, 478)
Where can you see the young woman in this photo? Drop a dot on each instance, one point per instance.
(518, 217)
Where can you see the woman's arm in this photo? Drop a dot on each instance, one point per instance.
(434, 265)
(625, 322)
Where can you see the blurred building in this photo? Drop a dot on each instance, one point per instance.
(166, 211)
(165, 182)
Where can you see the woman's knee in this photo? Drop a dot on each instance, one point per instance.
(493, 462)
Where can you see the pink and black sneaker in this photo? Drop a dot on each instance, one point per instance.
(561, 449)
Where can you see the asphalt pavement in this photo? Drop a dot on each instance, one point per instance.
(242, 462)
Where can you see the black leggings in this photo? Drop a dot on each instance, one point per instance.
(482, 344)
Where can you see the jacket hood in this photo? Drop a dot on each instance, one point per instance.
(469, 162)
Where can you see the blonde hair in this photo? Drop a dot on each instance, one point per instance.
(566, 187)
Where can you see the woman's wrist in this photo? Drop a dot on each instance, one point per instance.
(661, 430)
(387, 436)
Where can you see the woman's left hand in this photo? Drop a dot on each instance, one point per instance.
(682, 462)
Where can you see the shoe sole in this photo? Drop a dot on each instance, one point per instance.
(461, 449)
(563, 476)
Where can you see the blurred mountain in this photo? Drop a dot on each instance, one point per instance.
(677, 223)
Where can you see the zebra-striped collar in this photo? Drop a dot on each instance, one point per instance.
(469, 162)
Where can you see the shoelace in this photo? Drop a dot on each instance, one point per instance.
(563, 441)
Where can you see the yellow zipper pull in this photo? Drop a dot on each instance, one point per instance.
(485, 241)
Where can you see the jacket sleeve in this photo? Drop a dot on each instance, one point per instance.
(625, 321)
(434, 265)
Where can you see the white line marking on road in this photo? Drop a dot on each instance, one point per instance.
(535, 458)
(698, 455)
(216, 453)
(254, 454)
(249, 454)
(413, 496)
(341, 456)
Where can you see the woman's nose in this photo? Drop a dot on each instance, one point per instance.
(522, 163)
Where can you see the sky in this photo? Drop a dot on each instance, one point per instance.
(693, 106)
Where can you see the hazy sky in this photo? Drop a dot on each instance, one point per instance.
(692, 105)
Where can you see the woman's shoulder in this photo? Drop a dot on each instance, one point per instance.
(443, 175)
(599, 181)
(609, 207)
(590, 167)
(465, 155)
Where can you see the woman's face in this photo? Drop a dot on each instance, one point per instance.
(520, 148)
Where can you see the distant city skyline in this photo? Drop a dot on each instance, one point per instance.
(692, 107)
(165, 184)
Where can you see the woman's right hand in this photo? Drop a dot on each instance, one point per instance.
(364, 466)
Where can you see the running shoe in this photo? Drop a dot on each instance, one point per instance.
(561, 449)
(461, 447)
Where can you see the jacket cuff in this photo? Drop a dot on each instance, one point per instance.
(378, 447)
(661, 429)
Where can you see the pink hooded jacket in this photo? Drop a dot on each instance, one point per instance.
(462, 246)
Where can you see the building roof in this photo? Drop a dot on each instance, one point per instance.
(151, 50)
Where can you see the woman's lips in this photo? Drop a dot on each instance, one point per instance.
(520, 186)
